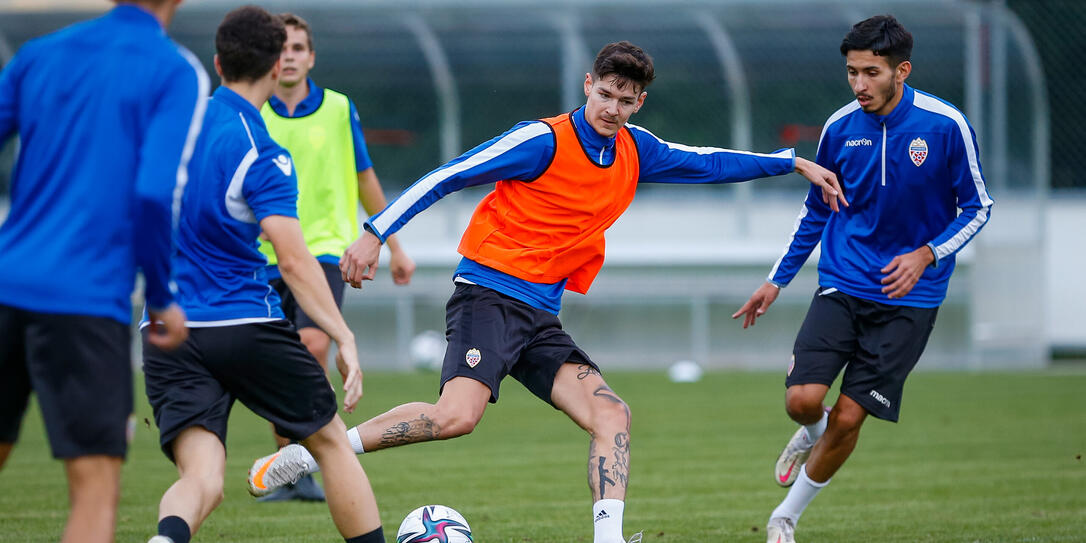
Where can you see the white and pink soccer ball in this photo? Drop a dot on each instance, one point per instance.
(434, 524)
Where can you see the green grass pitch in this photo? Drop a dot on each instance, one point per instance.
(977, 457)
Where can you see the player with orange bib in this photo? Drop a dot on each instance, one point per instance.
(561, 182)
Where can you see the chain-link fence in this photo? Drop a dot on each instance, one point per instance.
(731, 73)
(1059, 29)
(433, 79)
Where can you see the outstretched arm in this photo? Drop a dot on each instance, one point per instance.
(521, 153)
(825, 180)
(667, 162)
(373, 200)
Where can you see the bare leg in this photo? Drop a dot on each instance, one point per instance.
(94, 488)
(457, 411)
(581, 393)
(350, 497)
(201, 465)
(5, 451)
(835, 446)
(804, 402)
(318, 344)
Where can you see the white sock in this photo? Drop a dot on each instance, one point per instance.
(799, 496)
(815, 431)
(356, 440)
(607, 521)
(309, 460)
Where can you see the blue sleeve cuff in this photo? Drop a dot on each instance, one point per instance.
(935, 255)
(777, 284)
(368, 226)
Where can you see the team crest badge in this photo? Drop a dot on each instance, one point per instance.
(918, 151)
(473, 357)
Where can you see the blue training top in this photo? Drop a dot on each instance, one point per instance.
(107, 112)
(906, 175)
(525, 151)
(239, 177)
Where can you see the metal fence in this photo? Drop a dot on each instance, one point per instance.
(431, 79)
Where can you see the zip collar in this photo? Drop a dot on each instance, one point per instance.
(600, 149)
(901, 110)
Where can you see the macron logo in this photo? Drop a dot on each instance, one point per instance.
(862, 142)
(283, 163)
(603, 514)
(881, 399)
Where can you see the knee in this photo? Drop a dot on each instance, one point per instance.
(847, 420)
(316, 342)
(611, 415)
(452, 421)
(803, 408)
(328, 436)
(208, 484)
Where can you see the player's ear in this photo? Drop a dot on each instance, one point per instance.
(903, 70)
(587, 84)
(218, 67)
(640, 101)
(276, 69)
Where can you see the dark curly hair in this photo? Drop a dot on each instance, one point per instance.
(883, 36)
(628, 62)
(249, 41)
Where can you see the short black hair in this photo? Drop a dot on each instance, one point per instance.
(249, 41)
(883, 35)
(628, 62)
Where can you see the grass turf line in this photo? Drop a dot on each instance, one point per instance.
(977, 458)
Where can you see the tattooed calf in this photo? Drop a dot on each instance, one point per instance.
(402, 433)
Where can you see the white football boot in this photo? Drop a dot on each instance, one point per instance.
(792, 458)
(275, 470)
(780, 530)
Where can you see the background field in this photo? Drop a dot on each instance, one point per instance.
(978, 457)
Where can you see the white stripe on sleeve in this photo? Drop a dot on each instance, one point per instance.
(203, 88)
(423, 186)
(791, 238)
(784, 153)
(236, 204)
(837, 115)
(933, 105)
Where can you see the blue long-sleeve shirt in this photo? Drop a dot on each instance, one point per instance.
(107, 112)
(240, 176)
(906, 176)
(525, 151)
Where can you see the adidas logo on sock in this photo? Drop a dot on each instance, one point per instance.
(603, 514)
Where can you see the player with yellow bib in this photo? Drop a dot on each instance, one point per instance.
(320, 128)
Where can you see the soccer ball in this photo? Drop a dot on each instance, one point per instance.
(684, 371)
(435, 524)
(427, 350)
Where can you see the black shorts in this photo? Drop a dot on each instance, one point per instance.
(881, 344)
(80, 367)
(264, 365)
(290, 306)
(492, 335)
